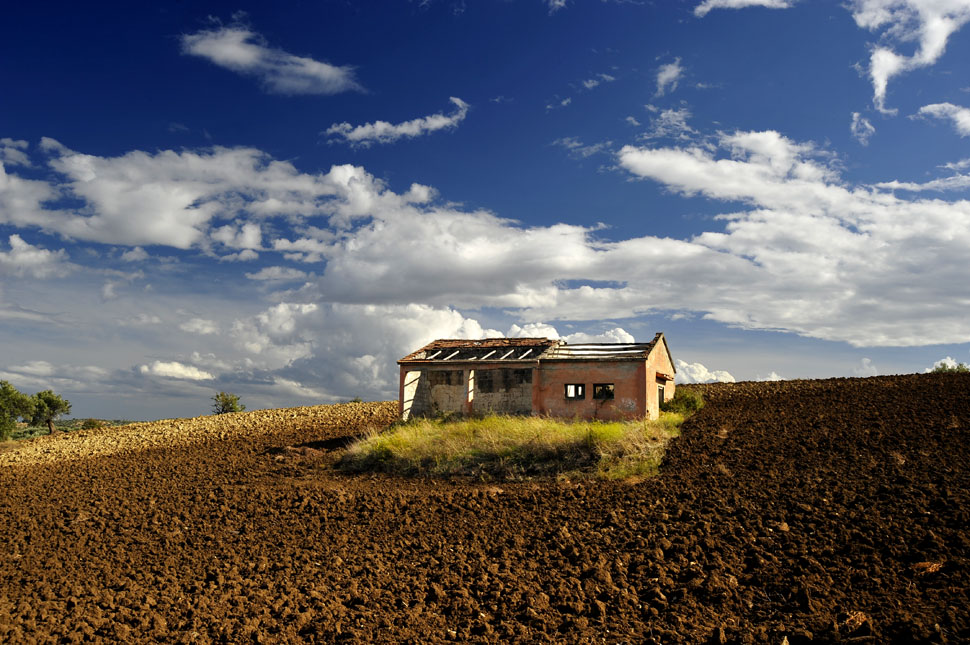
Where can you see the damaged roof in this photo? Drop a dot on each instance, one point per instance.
(505, 350)
(488, 349)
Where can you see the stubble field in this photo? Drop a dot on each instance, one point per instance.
(817, 511)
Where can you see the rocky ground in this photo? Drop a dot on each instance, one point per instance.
(812, 511)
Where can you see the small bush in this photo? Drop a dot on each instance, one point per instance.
(685, 402)
(93, 424)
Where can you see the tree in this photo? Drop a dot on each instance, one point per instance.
(47, 407)
(226, 402)
(13, 406)
(944, 368)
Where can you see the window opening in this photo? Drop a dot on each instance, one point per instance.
(575, 391)
(603, 391)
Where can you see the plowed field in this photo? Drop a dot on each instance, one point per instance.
(817, 511)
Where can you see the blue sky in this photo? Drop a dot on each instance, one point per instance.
(281, 200)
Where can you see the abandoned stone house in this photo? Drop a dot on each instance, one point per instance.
(537, 376)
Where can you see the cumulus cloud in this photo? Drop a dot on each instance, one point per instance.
(136, 254)
(861, 128)
(930, 23)
(797, 248)
(668, 76)
(773, 376)
(698, 373)
(241, 50)
(705, 7)
(947, 361)
(247, 236)
(958, 115)
(816, 235)
(175, 370)
(384, 132)
(24, 259)
(167, 198)
(865, 368)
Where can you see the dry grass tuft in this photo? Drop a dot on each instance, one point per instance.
(511, 447)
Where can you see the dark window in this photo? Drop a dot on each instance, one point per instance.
(575, 391)
(485, 381)
(445, 377)
(521, 376)
(660, 394)
(603, 391)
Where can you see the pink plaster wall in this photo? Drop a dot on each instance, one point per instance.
(629, 399)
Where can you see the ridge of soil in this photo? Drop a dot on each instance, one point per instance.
(812, 511)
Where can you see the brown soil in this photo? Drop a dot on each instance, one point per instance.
(817, 511)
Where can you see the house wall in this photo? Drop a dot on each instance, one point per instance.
(503, 390)
(658, 361)
(629, 394)
(483, 389)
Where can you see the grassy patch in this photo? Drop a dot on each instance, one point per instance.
(507, 447)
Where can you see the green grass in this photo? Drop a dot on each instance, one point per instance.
(513, 447)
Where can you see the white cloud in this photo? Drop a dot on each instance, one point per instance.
(773, 376)
(668, 76)
(928, 22)
(865, 368)
(384, 132)
(943, 362)
(960, 116)
(577, 148)
(200, 326)
(555, 5)
(703, 8)
(797, 250)
(142, 319)
(963, 164)
(243, 51)
(533, 330)
(136, 254)
(544, 330)
(24, 259)
(109, 290)
(246, 255)
(167, 198)
(247, 236)
(12, 152)
(615, 335)
(278, 274)
(591, 83)
(670, 124)
(814, 235)
(862, 130)
(175, 370)
(953, 182)
(698, 373)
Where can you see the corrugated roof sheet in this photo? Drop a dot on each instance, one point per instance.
(601, 351)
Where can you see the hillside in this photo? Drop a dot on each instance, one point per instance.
(822, 511)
